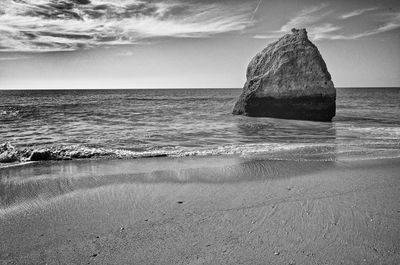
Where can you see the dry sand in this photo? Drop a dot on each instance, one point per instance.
(201, 211)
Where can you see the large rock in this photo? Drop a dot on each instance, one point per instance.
(288, 80)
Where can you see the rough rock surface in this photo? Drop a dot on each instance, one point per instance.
(289, 80)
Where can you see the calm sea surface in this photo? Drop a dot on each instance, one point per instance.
(184, 122)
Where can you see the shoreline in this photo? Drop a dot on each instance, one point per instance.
(276, 155)
(201, 210)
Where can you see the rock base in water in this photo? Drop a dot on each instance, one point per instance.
(314, 108)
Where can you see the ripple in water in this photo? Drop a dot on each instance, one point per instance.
(145, 123)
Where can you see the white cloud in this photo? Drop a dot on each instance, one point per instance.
(357, 12)
(306, 17)
(51, 25)
(125, 54)
(391, 22)
(268, 36)
(323, 31)
(255, 10)
(315, 20)
(13, 58)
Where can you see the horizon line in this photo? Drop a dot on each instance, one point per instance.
(174, 88)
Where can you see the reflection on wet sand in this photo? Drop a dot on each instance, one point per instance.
(22, 186)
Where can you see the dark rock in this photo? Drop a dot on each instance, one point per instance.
(288, 80)
(39, 155)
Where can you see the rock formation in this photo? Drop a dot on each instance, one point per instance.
(288, 80)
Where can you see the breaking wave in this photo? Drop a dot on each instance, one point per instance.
(9, 155)
(4, 114)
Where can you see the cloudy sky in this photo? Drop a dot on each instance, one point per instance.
(188, 43)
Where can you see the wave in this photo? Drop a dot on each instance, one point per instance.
(392, 131)
(8, 114)
(11, 156)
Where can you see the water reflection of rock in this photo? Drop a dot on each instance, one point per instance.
(289, 139)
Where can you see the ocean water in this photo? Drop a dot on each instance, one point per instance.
(194, 122)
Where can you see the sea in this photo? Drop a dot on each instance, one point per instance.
(135, 123)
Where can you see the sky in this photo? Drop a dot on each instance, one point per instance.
(188, 43)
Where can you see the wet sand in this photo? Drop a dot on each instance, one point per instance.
(212, 210)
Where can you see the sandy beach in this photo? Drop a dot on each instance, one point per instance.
(211, 210)
(199, 132)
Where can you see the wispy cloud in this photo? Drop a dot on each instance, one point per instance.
(323, 31)
(315, 19)
(13, 58)
(307, 16)
(357, 12)
(255, 10)
(391, 22)
(124, 54)
(52, 25)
